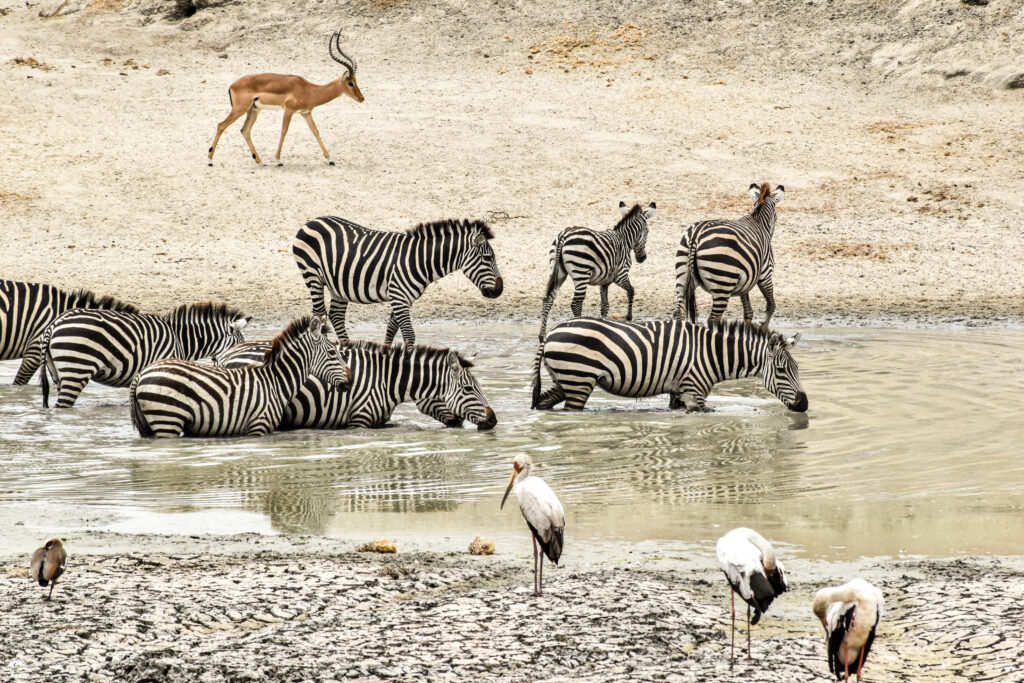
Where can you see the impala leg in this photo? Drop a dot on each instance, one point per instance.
(250, 119)
(286, 121)
(308, 115)
(236, 113)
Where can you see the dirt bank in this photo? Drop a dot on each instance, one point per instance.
(898, 146)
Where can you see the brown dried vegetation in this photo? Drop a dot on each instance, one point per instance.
(593, 47)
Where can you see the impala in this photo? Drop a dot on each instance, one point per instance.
(252, 93)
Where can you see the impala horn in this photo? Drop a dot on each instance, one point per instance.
(334, 43)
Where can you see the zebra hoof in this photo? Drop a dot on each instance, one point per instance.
(330, 163)
(279, 164)
(210, 164)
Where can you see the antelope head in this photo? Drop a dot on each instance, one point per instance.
(348, 80)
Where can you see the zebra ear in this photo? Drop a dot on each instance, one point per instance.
(623, 209)
(791, 342)
(317, 328)
(479, 239)
(239, 323)
(651, 210)
(779, 193)
(455, 361)
(755, 191)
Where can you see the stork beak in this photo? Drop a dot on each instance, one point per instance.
(824, 625)
(508, 490)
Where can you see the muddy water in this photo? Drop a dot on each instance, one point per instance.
(912, 444)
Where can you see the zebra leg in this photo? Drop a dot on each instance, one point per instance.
(555, 281)
(768, 290)
(551, 398)
(604, 301)
(579, 293)
(69, 387)
(400, 314)
(392, 330)
(577, 393)
(628, 286)
(718, 307)
(29, 363)
(436, 409)
(748, 310)
(337, 315)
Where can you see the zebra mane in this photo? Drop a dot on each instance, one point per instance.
(733, 326)
(765, 191)
(87, 299)
(295, 329)
(628, 217)
(207, 307)
(400, 350)
(451, 225)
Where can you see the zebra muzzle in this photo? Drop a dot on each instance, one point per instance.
(799, 405)
(495, 291)
(490, 419)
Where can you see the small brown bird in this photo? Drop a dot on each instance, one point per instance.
(48, 564)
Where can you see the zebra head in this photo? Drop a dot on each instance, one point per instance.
(479, 263)
(462, 393)
(634, 227)
(326, 361)
(781, 375)
(764, 202)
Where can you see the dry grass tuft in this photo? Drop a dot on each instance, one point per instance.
(481, 546)
(105, 5)
(10, 197)
(394, 571)
(849, 248)
(381, 545)
(31, 62)
(593, 47)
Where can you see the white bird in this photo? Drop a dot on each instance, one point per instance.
(850, 614)
(749, 563)
(542, 512)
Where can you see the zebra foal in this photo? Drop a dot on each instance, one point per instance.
(597, 257)
(354, 264)
(26, 308)
(728, 257)
(111, 347)
(682, 359)
(438, 380)
(171, 398)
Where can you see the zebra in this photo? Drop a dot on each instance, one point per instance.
(111, 347)
(727, 258)
(360, 265)
(174, 397)
(255, 352)
(676, 357)
(438, 380)
(26, 308)
(592, 257)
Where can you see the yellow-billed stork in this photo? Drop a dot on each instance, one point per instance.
(48, 564)
(749, 563)
(850, 614)
(543, 514)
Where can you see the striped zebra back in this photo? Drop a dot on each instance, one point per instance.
(26, 308)
(385, 376)
(599, 256)
(172, 397)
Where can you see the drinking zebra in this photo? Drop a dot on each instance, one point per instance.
(111, 347)
(26, 308)
(728, 257)
(360, 265)
(171, 397)
(593, 257)
(679, 358)
(438, 380)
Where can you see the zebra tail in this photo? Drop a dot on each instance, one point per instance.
(138, 418)
(538, 359)
(690, 289)
(44, 382)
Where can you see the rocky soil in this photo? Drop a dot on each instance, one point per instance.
(301, 613)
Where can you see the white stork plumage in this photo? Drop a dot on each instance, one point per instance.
(850, 614)
(543, 514)
(749, 563)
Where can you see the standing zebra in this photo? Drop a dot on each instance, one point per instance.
(26, 308)
(174, 397)
(360, 265)
(111, 347)
(727, 258)
(438, 380)
(679, 358)
(592, 257)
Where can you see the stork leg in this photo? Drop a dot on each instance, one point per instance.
(748, 632)
(50, 594)
(732, 648)
(541, 590)
(846, 662)
(860, 663)
(535, 590)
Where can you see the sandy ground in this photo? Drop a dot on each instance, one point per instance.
(894, 127)
(257, 608)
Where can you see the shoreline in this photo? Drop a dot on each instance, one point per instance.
(247, 607)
